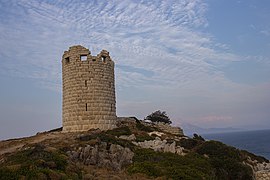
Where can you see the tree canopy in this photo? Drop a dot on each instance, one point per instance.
(159, 116)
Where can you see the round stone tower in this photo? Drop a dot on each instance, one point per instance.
(88, 90)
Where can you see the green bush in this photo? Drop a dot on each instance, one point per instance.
(36, 155)
(221, 162)
(189, 143)
(119, 131)
(142, 127)
(6, 173)
(231, 169)
(260, 159)
(198, 137)
(144, 137)
(170, 165)
(33, 162)
(226, 160)
(219, 150)
(159, 116)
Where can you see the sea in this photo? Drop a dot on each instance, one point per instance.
(256, 142)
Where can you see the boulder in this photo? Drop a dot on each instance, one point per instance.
(172, 147)
(156, 133)
(132, 137)
(179, 150)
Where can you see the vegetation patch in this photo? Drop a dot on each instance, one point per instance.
(142, 127)
(37, 156)
(260, 159)
(226, 160)
(144, 137)
(35, 163)
(219, 150)
(206, 160)
(107, 137)
(124, 130)
(189, 143)
(170, 165)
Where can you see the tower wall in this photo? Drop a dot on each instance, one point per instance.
(88, 90)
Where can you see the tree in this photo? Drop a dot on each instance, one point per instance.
(159, 116)
(198, 137)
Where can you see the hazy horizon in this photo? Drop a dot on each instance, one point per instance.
(204, 62)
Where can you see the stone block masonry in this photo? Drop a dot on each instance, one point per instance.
(262, 175)
(88, 90)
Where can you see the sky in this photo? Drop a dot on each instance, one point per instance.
(204, 62)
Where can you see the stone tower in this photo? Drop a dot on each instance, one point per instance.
(88, 90)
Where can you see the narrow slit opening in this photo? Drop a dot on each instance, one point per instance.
(67, 60)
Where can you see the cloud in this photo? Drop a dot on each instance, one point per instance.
(265, 32)
(156, 37)
(160, 47)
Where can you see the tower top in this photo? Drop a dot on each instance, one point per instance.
(79, 52)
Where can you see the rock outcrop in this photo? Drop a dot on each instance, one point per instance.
(262, 171)
(161, 146)
(111, 156)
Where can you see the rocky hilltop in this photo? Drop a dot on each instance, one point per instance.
(134, 150)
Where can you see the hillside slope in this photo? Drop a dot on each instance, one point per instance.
(134, 150)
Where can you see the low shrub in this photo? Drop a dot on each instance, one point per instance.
(189, 143)
(219, 150)
(226, 160)
(260, 159)
(35, 163)
(144, 137)
(142, 127)
(198, 137)
(124, 130)
(221, 162)
(170, 165)
(36, 156)
(6, 173)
